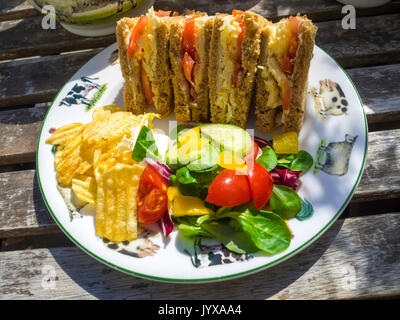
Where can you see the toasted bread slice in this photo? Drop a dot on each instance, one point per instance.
(152, 57)
(229, 101)
(191, 102)
(134, 98)
(271, 79)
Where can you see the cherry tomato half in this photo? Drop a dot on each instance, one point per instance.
(261, 184)
(152, 199)
(229, 189)
(252, 154)
(153, 206)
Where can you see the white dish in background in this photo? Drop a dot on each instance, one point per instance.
(93, 26)
(364, 3)
(329, 194)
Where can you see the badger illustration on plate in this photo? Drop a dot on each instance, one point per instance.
(333, 158)
(329, 99)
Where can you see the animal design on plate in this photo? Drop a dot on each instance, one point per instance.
(79, 94)
(209, 252)
(329, 100)
(334, 158)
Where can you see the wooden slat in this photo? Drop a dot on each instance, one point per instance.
(23, 212)
(321, 10)
(379, 90)
(27, 38)
(374, 41)
(16, 9)
(19, 132)
(22, 125)
(356, 257)
(28, 81)
(381, 178)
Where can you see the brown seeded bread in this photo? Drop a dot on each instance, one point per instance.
(237, 109)
(217, 114)
(134, 98)
(179, 82)
(200, 108)
(293, 118)
(187, 108)
(161, 77)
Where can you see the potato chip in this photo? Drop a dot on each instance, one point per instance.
(68, 162)
(65, 134)
(116, 210)
(85, 189)
(113, 126)
(106, 110)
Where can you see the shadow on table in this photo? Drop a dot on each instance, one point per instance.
(102, 282)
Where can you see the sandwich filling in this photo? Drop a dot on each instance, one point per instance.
(277, 73)
(232, 33)
(193, 45)
(143, 46)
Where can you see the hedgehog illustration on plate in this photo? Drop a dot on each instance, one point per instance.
(329, 99)
(333, 158)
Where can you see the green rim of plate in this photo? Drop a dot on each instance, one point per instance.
(236, 275)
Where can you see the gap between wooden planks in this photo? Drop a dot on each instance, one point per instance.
(365, 45)
(355, 258)
(23, 212)
(20, 127)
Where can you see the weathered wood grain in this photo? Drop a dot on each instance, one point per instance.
(24, 38)
(28, 81)
(23, 212)
(356, 257)
(19, 132)
(381, 178)
(16, 9)
(379, 90)
(374, 41)
(382, 104)
(321, 10)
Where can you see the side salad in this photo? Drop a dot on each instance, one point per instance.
(216, 181)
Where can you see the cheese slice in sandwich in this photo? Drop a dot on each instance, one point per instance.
(286, 52)
(143, 54)
(234, 52)
(189, 56)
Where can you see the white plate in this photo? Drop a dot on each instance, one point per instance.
(328, 193)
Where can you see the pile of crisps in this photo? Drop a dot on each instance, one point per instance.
(91, 160)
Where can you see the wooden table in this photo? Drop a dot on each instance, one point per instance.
(358, 257)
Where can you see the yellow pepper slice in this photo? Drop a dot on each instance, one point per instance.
(186, 205)
(228, 160)
(285, 143)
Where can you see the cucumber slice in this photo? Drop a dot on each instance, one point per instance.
(208, 159)
(229, 136)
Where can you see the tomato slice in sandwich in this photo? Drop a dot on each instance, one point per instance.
(136, 34)
(187, 64)
(146, 86)
(188, 45)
